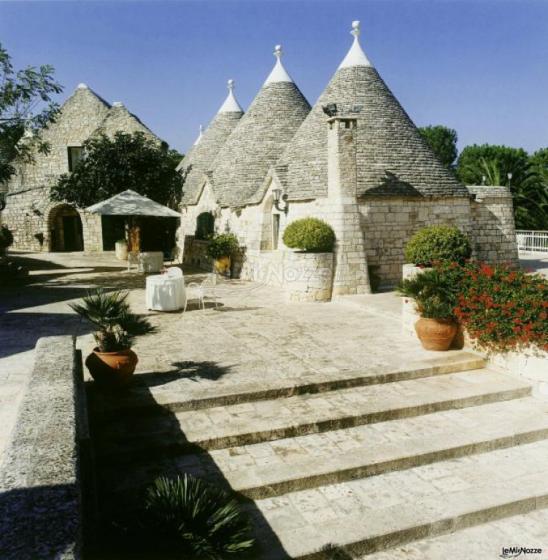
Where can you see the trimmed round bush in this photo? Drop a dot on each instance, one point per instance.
(222, 245)
(311, 235)
(437, 243)
(6, 237)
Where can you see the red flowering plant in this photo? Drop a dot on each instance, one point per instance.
(502, 308)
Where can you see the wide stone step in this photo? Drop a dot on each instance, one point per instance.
(241, 424)
(273, 468)
(380, 512)
(482, 542)
(143, 399)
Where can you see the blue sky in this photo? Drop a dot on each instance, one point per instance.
(479, 66)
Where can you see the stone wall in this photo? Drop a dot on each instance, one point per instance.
(28, 209)
(494, 229)
(41, 507)
(389, 223)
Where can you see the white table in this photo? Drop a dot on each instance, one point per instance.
(151, 261)
(164, 293)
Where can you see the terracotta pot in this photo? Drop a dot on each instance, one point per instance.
(222, 266)
(436, 334)
(113, 370)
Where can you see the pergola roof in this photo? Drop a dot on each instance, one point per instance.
(130, 203)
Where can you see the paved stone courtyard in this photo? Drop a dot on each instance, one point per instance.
(286, 399)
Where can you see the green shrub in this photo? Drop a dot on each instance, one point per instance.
(116, 326)
(6, 237)
(310, 235)
(194, 519)
(434, 292)
(222, 245)
(437, 243)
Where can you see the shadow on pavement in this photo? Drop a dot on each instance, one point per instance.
(127, 463)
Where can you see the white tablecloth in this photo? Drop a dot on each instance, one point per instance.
(164, 293)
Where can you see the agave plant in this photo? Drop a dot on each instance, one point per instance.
(117, 326)
(188, 517)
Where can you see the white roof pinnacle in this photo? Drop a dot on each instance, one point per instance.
(117, 104)
(230, 104)
(200, 135)
(279, 73)
(355, 56)
(82, 86)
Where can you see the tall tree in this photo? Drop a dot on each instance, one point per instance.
(26, 107)
(443, 141)
(112, 165)
(502, 165)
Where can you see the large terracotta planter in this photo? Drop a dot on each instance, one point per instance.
(436, 334)
(222, 266)
(112, 370)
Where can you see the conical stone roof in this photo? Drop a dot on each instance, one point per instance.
(199, 159)
(392, 157)
(259, 139)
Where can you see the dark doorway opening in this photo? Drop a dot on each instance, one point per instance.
(65, 227)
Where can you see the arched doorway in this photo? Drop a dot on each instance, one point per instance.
(205, 225)
(65, 229)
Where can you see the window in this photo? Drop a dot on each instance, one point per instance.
(205, 225)
(275, 230)
(75, 154)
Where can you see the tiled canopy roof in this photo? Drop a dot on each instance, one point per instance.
(392, 157)
(200, 158)
(259, 138)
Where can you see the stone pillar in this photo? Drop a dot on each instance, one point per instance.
(351, 275)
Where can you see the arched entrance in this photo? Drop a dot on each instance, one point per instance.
(65, 229)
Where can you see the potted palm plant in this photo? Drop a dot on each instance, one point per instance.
(112, 361)
(435, 297)
(221, 248)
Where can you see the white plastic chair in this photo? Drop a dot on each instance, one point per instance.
(132, 259)
(174, 272)
(197, 290)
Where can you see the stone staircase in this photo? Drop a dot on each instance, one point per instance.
(360, 461)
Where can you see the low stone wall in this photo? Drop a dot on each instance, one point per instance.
(40, 477)
(304, 276)
(195, 253)
(531, 365)
(308, 276)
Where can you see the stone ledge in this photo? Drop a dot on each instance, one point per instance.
(40, 492)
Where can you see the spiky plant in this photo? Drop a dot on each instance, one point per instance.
(110, 312)
(189, 517)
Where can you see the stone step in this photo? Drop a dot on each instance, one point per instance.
(482, 542)
(248, 423)
(380, 512)
(273, 468)
(143, 399)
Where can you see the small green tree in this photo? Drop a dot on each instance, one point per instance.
(443, 141)
(26, 107)
(112, 165)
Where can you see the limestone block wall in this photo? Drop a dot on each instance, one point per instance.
(388, 223)
(494, 231)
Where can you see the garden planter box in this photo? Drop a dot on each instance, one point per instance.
(308, 276)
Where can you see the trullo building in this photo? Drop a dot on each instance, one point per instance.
(355, 160)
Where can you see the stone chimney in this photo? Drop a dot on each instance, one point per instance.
(343, 213)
